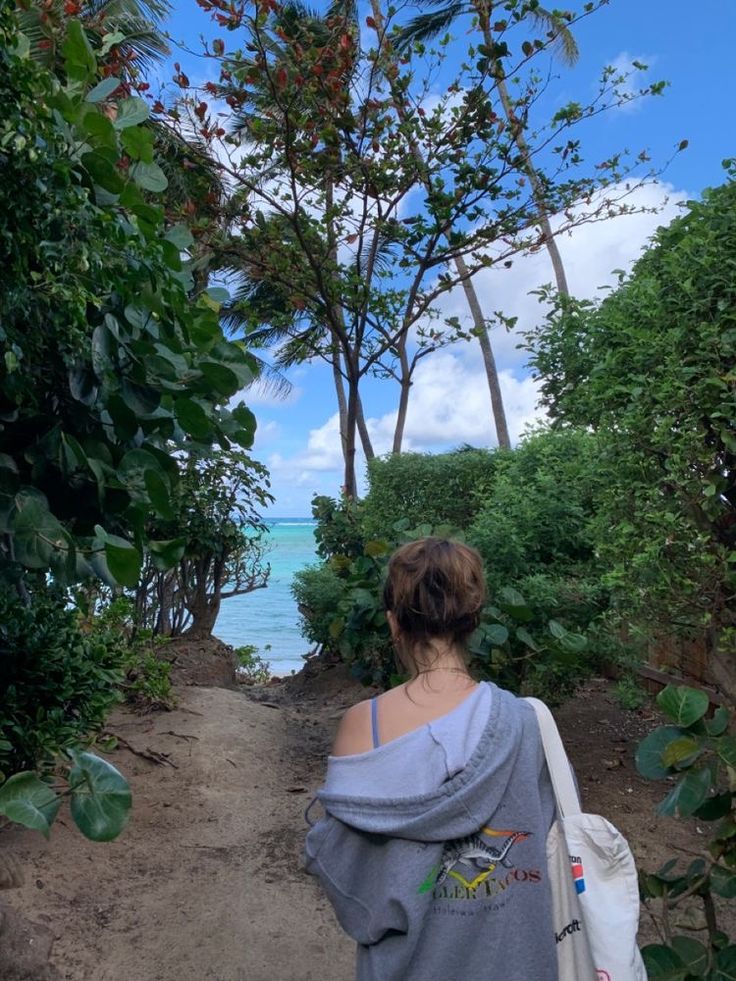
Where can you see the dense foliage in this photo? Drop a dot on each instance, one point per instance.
(521, 644)
(214, 531)
(427, 488)
(108, 361)
(698, 753)
(650, 370)
(56, 682)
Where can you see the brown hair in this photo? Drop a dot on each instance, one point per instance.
(435, 589)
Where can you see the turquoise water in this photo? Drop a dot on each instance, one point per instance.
(269, 616)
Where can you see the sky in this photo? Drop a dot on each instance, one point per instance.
(690, 47)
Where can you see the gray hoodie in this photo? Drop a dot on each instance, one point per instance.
(452, 884)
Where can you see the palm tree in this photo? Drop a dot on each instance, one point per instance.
(431, 24)
(138, 22)
(476, 312)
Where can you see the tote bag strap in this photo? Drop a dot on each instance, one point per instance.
(557, 761)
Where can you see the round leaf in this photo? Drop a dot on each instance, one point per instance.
(649, 752)
(192, 418)
(100, 797)
(149, 176)
(682, 704)
(103, 90)
(130, 113)
(687, 795)
(692, 953)
(27, 800)
(663, 964)
(124, 564)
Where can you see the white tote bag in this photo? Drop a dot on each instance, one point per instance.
(596, 908)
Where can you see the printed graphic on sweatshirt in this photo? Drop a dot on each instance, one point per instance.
(472, 861)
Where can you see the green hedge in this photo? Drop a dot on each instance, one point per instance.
(56, 683)
(424, 488)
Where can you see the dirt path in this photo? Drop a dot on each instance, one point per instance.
(205, 883)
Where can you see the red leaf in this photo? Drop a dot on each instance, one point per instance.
(281, 78)
(370, 22)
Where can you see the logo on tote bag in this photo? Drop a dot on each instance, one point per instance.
(577, 873)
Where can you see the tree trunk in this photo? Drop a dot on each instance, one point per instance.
(489, 361)
(365, 438)
(403, 400)
(479, 323)
(342, 406)
(204, 616)
(550, 241)
(350, 486)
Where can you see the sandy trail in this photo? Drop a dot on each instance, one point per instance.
(205, 883)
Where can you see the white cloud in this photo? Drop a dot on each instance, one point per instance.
(590, 253)
(633, 79)
(450, 402)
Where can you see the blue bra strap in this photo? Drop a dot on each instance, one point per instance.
(374, 722)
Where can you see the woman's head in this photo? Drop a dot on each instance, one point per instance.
(435, 591)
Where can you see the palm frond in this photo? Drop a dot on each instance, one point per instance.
(565, 46)
(429, 25)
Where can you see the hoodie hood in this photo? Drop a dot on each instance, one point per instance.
(463, 803)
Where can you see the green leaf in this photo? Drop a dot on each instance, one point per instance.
(649, 752)
(683, 705)
(192, 418)
(556, 629)
(726, 749)
(663, 964)
(513, 603)
(681, 749)
(723, 882)
(130, 112)
(27, 800)
(137, 141)
(523, 635)
(100, 797)
(222, 379)
(149, 176)
(692, 953)
(158, 493)
(103, 172)
(726, 964)
(103, 90)
(181, 237)
(36, 532)
(687, 795)
(166, 554)
(719, 723)
(124, 563)
(715, 807)
(496, 634)
(80, 63)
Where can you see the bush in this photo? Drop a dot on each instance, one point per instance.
(319, 590)
(57, 684)
(252, 666)
(146, 680)
(538, 515)
(425, 488)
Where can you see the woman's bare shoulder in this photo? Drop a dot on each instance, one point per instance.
(354, 734)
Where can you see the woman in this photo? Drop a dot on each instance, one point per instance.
(438, 800)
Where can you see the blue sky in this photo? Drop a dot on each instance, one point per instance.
(688, 45)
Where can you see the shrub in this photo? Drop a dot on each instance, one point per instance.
(339, 528)
(538, 515)
(319, 591)
(425, 488)
(57, 684)
(251, 665)
(696, 755)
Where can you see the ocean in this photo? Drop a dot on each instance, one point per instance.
(269, 616)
